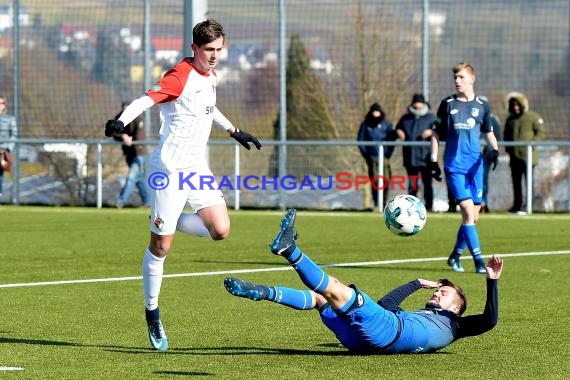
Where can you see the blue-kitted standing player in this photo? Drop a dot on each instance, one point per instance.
(368, 327)
(461, 119)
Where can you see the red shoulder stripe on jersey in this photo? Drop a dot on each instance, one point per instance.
(170, 86)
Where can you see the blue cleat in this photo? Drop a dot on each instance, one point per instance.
(480, 266)
(287, 236)
(481, 269)
(454, 262)
(156, 334)
(245, 289)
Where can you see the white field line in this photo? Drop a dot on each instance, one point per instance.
(11, 369)
(284, 268)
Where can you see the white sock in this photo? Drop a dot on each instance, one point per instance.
(192, 224)
(152, 269)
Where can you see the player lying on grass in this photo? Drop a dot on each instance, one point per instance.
(361, 324)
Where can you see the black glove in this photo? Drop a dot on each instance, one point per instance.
(245, 138)
(435, 170)
(113, 126)
(494, 157)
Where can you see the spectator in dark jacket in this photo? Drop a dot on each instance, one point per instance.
(415, 125)
(376, 127)
(135, 157)
(521, 125)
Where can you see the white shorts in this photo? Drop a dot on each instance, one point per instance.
(171, 193)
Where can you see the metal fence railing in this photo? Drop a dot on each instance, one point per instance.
(319, 175)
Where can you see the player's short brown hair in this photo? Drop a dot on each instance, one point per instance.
(462, 66)
(206, 32)
(460, 294)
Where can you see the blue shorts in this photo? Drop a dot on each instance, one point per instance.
(467, 185)
(365, 327)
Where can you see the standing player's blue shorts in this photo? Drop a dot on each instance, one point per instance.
(467, 185)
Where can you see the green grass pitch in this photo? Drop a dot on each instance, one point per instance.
(56, 323)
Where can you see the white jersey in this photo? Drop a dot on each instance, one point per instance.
(187, 102)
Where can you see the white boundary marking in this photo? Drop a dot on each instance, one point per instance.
(284, 268)
(11, 369)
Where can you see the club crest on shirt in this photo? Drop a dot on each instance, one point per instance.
(474, 112)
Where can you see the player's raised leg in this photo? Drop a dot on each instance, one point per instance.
(284, 245)
(336, 293)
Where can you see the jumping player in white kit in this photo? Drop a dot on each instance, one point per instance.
(186, 96)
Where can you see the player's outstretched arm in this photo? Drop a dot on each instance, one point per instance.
(494, 267)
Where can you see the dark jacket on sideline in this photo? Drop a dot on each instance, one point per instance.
(528, 126)
(413, 124)
(375, 129)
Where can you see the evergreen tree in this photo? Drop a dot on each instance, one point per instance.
(308, 118)
(308, 114)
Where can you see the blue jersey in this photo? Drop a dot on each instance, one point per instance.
(430, 329)
(460, 125)
(385, 328)
(426, 330)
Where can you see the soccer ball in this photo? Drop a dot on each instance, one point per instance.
(405, 215)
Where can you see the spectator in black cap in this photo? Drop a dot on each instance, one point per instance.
(376, 127)
(415, 125)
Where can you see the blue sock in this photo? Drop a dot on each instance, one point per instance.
(310, 273)
(472, 238)
(294, 298)
(460, 243)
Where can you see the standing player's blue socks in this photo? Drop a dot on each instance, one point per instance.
(294, 298)
(454, 260)
(460, 242)
(472, 238)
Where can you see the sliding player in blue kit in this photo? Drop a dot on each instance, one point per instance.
(364, 326)
(461, 118)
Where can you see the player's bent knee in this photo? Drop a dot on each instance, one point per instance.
(220, 232)
(336, 289)
(160, 245)
(160, 251)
